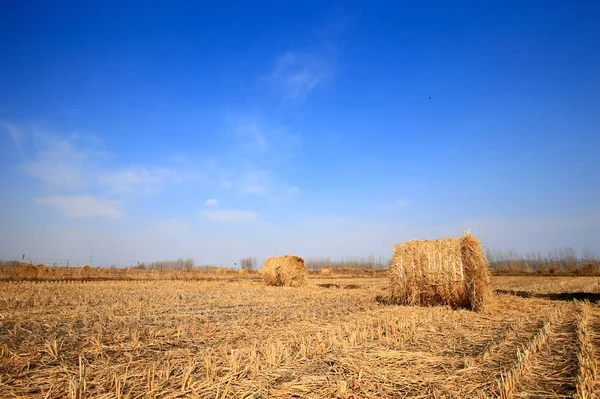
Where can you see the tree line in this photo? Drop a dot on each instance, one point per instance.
(559, 259)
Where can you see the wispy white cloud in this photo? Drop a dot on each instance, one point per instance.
(253, 136)
(211, 202)
(58, 163)
(139, 180)
(81, 207)
(15, 133)
(254, 182)
(77, 161)
(259, 183)
(298, 73)
(79, 174)
(228, 215)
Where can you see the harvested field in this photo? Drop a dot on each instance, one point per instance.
(237, 338)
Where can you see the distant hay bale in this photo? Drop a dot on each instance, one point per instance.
(326, 272)
(447, 271)
(42, 270)
(27, 271)
(220, 270)
(244, 272)
(86, 271)
(287, 270)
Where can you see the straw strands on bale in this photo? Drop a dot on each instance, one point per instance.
(287, 270)
(42, 270)
(447, 271)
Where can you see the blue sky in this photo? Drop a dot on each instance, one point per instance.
(216, 131)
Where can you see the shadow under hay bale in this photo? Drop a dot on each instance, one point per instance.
(447, 271)
(560, 296)
(345, 287)
(287, 270)
(329, 285)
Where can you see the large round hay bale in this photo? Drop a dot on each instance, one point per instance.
(326, 272)
(27, 271)
(244, 272)
(447, 271)
(287, 270)
(85, 271)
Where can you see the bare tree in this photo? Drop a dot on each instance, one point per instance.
(248, 263)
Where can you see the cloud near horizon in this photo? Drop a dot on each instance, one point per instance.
(138, 180)
(81, 207)
(79, 176)
(229, 215)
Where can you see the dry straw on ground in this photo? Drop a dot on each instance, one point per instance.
(447, 271)
(234, 338)
(287, 270)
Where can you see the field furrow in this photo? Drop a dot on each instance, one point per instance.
(552, 371)
(525, 354)
(593, 334)
(520, 321)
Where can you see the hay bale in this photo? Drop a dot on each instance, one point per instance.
(85, 271)
(447, 271)
(326, 272)
(27, 271)
(244, 272)
(42, 270)
(287, 270)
